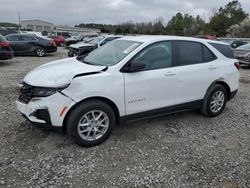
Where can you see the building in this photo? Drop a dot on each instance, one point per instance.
(37, 25)
(76, 30)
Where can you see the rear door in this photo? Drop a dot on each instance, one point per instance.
(196, 68)
(28, 43)
(15, 43)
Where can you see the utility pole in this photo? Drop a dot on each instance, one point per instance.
(19, 22)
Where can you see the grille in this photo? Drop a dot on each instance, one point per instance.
(25, 93)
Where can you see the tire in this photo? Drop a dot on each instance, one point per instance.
(214, 101)
(94, 132)
(40, 52)
(61, 44)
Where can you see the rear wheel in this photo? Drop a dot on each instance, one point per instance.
(61, 44)
(215, 101)
(91, 123)
(40, 52)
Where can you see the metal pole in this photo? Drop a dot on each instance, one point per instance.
(19, 24)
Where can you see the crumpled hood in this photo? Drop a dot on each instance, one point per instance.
(81, 45)
(58, 73)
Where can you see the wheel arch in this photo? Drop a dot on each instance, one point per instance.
(223, 83)
(103, 99)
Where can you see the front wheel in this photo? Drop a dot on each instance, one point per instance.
(91, 123)
(40, 52)
(214, 101)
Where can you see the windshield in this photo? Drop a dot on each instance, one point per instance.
(79, 37)
(112, 53)
(244, 47)
(96, 40)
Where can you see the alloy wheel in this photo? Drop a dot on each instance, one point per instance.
(217, 101)
(93, 125)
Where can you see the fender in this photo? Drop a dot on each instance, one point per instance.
(222, 82)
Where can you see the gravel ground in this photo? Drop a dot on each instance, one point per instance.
(181, 150)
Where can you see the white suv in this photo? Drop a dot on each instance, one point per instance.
(129, 79)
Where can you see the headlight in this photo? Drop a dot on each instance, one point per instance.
(46, 91)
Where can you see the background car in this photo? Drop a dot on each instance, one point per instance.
(238, 43)
(86, 47)
(243, 54)
(59, 40)
(5, 50)
(63, 34)
(7, 31)
(28, 44)
(209, 37)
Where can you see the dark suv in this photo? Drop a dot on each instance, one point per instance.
(5, 50)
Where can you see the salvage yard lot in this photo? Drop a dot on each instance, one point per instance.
(181, 150)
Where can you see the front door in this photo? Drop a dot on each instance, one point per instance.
(156, 85)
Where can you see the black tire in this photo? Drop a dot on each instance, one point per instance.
(40, 52)
(77, 114)
(61, 44)
(206, 109)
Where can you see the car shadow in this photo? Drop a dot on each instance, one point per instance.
(4, 63)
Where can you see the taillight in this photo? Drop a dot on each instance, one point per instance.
(5, 44)
(237, 65)
(52, 43)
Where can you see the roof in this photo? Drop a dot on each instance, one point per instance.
(23, 21)
(154, 38)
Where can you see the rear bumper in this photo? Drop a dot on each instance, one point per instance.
(4, 55)
(51, 49)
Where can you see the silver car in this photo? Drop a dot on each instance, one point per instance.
(243, 54)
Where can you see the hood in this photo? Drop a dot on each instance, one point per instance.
(70, 39)
(59, 73)
(81, 45)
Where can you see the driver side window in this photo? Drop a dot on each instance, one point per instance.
(155, 56)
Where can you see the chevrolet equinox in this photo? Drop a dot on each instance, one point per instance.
(129, 79)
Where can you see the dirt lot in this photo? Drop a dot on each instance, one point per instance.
(182, 150)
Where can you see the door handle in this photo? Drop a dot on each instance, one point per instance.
(212, 67)
(170, 74)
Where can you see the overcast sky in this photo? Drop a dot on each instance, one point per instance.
(71, 12)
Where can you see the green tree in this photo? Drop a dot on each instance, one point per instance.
(185, 25)
(240, 30)
(226, 16)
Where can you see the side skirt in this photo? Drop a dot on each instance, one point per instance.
(162, 111)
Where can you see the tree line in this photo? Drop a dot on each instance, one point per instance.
(226, 20)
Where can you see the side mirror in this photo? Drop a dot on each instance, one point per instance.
(133, 67)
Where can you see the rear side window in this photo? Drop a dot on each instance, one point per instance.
(224, 49)
(189, 53)
(27, 38)
(14, 38)
(207, 54)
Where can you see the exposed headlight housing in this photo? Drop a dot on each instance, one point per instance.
(46, 91)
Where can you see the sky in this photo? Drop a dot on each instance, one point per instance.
(71, 12)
